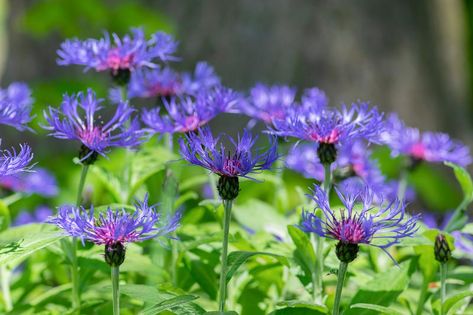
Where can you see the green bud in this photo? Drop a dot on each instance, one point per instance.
(91, 158)
(121, 76)
(346, 252)
(115, 254)
(327, 153)
(441, 249)
(228, 187)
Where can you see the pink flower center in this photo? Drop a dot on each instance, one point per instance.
(115, 61)
(418, 150)
(330, 138)
(232, 166)
(348, 230)
(191, 123)
(91, 137)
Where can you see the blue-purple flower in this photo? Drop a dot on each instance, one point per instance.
(331, 126)
(38, 181)
(372, 223)
(427, 146)
(187, 114)
(131, 52)
(114, 225)
(77, 119)
(165, 82)
(203, 149)
(13, 162)
(15, 105)
(40, 215)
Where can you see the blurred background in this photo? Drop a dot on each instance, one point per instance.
(412, 57)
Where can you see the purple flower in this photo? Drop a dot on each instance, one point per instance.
(41, 214)
(15, 105)
(268, 103)
(131, 52)
(77, 120)
(373, 223)
(189, 113)
(114, 226)
(203, 149)
(330, 126)
(13, 162)
(165, 82)
(38, 181)
(433, 147)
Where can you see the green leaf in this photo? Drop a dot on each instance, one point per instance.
(451, 301)
(112, 183)
(205, 276)
(236, 259)
(221, 313)
(5, 218)
(304, 254)
(304, 305)
(459, 217)
(378, 308)
(18, 243)
(169, 304)
(384, 288)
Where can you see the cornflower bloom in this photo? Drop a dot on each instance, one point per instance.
(96, 136)
(165, 82)
(187, 114)
(13, 162)
(15, 105)
(377, 224)
(40, 214)
(203, 149)
(39, 181)
(353, 227)
(330, 128)
(120, 56)
(435, 147)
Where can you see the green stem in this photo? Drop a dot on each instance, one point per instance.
(327, 179)
(123, 93)
(116, 289)
(423, 294)
(342, 270)
(5, 275)
(169, 141)
(443, 286)
(75, 265)
(9, 200)
(223, 273)
(401, 189)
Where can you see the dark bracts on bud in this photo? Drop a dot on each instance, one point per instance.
(327, 153)
(441, 249)
(121, 76)
(115, 254)
(228, 187)
(84, 151)
(413, 163)
(346, 252)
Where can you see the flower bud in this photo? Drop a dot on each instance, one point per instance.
(121, 76)
(347, 252)
(115, 254)
(441, 249)
(228, 187)
(84, 151)
(327, 153)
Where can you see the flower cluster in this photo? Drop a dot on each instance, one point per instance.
(129, 53)
(15, 105)
(38, 181)
(432, 147)
(76, 120)
(187, 114)
(375, 223)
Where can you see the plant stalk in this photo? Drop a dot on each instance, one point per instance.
(401, 189)
(443, 287)
(116, 289)
(223, 273)
(5, 275)
(342, 270)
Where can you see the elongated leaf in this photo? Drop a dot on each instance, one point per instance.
(205, 276)
(112, 183)
(451, 301)
(4, 216)
(304, 254)
(169, 304)
(459, 217)
(378, 308)
(236, 259)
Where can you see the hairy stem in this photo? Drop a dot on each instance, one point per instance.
(443, 287)
(342, 270)
(401, 189)
(5, 276)
(223, 272)
(116, 289)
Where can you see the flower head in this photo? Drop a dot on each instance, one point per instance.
(189, 113)
(129, 53)
(13, 162)
(433, 147)
(38, 181)
(41, 214)
(77, 120)
(114, 225)
(375, 223)
(15, 105)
